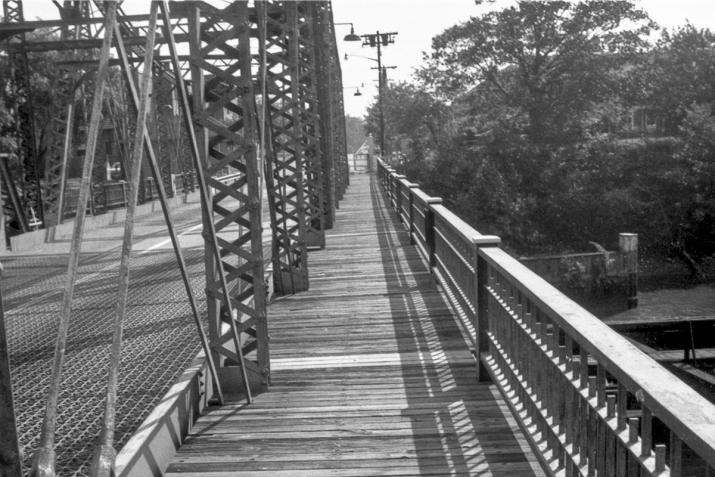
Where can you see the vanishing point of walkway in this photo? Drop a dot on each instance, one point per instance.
(371, 374)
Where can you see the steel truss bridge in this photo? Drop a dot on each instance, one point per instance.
(362, 330)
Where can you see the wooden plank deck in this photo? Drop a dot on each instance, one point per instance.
(371, 374)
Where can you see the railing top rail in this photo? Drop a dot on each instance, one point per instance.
(466, 231)
(681, 408)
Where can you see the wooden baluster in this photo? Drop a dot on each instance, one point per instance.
(646, 432)
(583, 406)
(557, 391)
(622, 406)
(592, 426)
(660, 450)
(569, 415)
(610, 436)
(676, 455)
(484, 281)
(528, 350)
(633, 465)
(601, 425)
(520, 344)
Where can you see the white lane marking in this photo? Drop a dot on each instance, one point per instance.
(166, 241)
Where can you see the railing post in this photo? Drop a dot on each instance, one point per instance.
(429, 229)
(398, 195)
(628, 247)
(10, 463)
(482, 325)
(391, 184)
(412, 212)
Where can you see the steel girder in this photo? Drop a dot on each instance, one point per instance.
(285, 170)
(340, 158)
(61, 144)
(326, 92)
(31, 199)
(307, 94)
(225, 115)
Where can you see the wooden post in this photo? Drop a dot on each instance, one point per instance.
(412, 212)
(628, 247)
(398, 195)
(429, 229)
(482, 325)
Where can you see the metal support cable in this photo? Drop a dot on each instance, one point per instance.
(105, 455)
(134, 100)
(44, 460)
(10, 462)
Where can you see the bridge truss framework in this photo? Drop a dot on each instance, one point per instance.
(256, 92)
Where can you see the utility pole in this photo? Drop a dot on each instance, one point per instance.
(379, 40)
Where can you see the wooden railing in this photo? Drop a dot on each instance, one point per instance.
(588, 400)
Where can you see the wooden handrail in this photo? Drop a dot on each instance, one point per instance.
(586, 393)
(681, 408)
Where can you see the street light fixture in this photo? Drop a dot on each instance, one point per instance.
(350, 36)
(378, 40)
(356, 88)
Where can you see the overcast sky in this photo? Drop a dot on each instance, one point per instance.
(416, 22)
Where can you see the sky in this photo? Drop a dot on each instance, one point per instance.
(416, 23)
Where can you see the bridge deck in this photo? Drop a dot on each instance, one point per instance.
(371, 374)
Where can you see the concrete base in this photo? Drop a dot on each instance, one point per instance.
(153, 445)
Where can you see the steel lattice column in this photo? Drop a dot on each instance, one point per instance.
(340, 159)
(225, 115)
(22, 92)
(60, 144)
(326, 92)
(285, 169)
(308, 97)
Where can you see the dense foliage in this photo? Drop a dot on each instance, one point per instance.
(557, 123)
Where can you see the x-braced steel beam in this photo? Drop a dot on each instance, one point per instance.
(68, 90)
(311, 134)
(225, 114)
(25, 132)
(285, 169)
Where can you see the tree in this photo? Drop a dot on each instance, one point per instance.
(677, 74)
(415, 121)
(549, 61)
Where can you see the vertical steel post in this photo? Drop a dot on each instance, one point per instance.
(224, 104)
(285, 180)
(27, 142)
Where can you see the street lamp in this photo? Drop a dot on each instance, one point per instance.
(356, 88)
(350, 36)
(378, 40)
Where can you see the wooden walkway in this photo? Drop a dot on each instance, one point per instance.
(371, 374)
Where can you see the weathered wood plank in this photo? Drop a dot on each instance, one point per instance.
(371, 374)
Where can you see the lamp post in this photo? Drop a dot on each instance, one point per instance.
(378, 40)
